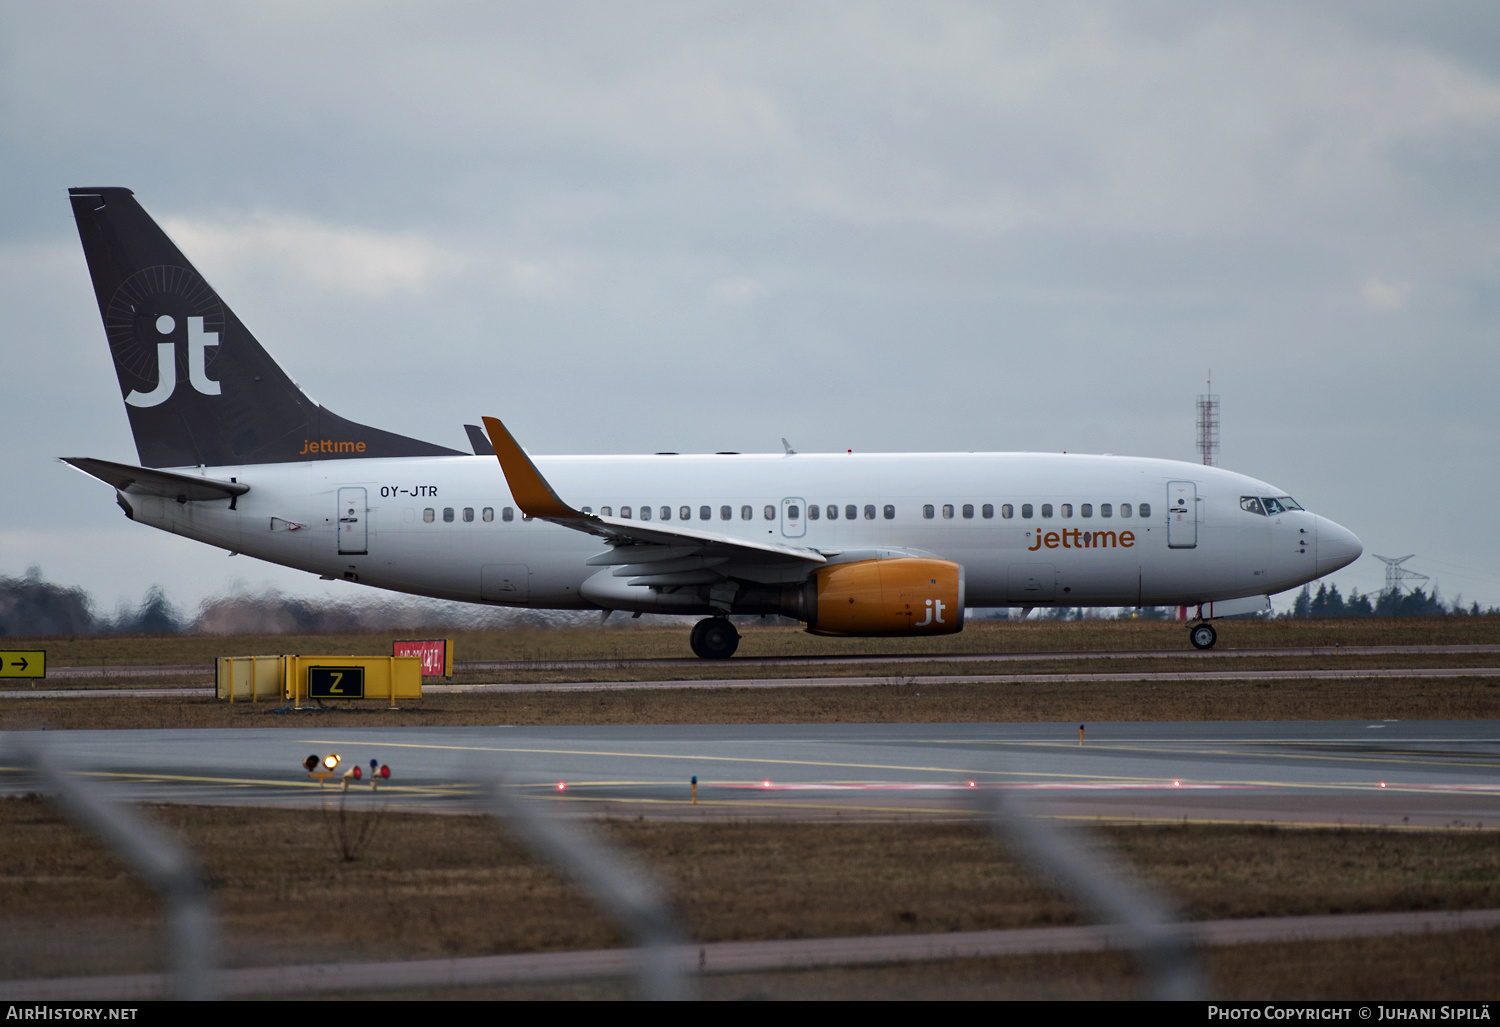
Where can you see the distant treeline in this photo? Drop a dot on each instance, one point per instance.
(31, 607)
(1327, 602)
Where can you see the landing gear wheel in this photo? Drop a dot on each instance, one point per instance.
(714, 638)
(1203, 636)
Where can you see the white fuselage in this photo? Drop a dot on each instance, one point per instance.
(408, 529)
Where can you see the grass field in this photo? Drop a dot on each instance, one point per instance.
(773, 640)
(431, 886)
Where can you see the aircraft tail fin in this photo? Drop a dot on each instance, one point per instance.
(198, 388)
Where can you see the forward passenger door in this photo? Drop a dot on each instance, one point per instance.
(1182, 515)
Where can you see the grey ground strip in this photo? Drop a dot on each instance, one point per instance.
(1411, 673)
(741, 956)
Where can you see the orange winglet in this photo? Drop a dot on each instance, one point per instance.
(531, 491)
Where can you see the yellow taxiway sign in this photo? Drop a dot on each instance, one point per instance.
(23, 663)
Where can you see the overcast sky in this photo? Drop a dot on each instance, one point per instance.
(702, 226)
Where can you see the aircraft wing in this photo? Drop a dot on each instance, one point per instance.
(535, 497)
(142, 481)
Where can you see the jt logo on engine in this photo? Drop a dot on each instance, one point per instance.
(335, 682)
(166, 363)
(935, 608)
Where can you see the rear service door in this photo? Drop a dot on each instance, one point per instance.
(1182, 515)
(353, 522)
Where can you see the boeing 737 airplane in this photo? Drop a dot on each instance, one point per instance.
(232, 453)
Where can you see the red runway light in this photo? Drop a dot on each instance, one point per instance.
(971, 784)
(1176, 784)
(1382, 784)
(561, 786)
(765, 784)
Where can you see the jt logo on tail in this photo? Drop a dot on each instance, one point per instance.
(166, 363)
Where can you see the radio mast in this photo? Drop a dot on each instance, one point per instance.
(1208, 423)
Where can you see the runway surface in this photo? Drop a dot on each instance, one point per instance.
(1399, 774)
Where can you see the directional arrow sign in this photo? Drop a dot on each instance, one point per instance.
(23, 663)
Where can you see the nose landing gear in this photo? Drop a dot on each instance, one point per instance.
(1203, 635)
(714, 638)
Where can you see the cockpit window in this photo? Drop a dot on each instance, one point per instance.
(1288, 502)
(1273, 506)
(1251, 504)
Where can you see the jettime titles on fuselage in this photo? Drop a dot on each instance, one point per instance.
(1077, 538)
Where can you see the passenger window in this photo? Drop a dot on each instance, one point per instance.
(686, 514)
(666, 513)
(705, 513)
(1007, 511)
(968, 511)
(507, 514)
(447, 515)
(746, 513)
(429, 515)
(1067, 510)
(1105, 510)
(1026, 510)
(587, 511)
(1046, 509)
(850, 512)
(1086, 510)
(1251, 505)
(987, 511)
(726, 512)
(1124, 509)
(770, 512)
(928, 511)
(869, 511)
(814, 512)
(833, 512)
(947, 511)
(488, 514)
(468, 514)
(605, 511)
(890, 512)
(1144, 510)
(645, 513)
(625, 513)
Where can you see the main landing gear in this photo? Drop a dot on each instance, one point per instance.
(714, 638)
(1203, 635)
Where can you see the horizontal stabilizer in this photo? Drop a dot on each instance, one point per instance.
(139, 481)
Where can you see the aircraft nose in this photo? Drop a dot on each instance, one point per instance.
(1337, 546)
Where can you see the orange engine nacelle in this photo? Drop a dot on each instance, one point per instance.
(903, 596)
